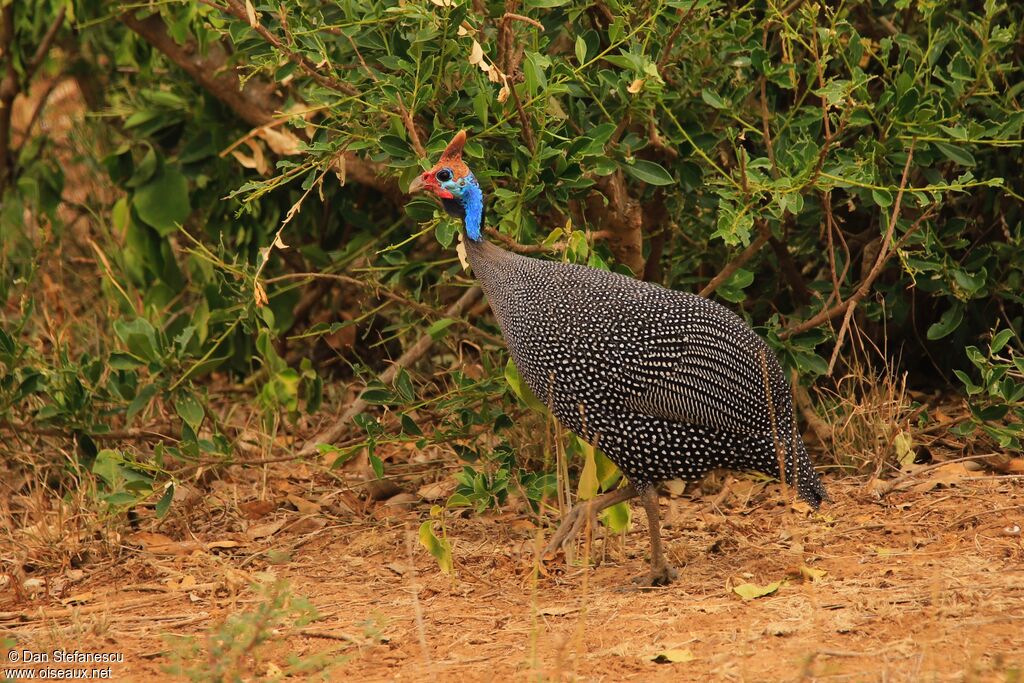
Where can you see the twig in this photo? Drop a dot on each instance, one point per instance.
(328, 635)
(524, 121)
(879, 261)
(45, 44)
(865, 286)
(237, 10)
(403, 111)
(666, 52)
(510, 16)
(413, 354)
(737, 262)
(424, 309)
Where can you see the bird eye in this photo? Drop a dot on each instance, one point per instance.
(444, 175)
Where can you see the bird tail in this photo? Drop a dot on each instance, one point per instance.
(803, 478)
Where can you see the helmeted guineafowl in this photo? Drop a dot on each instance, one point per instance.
(668, 384)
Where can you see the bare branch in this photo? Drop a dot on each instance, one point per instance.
(45, 44)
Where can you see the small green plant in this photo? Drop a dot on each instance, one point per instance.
(235, 649)
(996, 400)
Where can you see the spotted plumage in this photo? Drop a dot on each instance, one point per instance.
(668, 384)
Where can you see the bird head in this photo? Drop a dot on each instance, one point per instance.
(451, 181)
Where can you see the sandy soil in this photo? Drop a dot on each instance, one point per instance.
(925, 585)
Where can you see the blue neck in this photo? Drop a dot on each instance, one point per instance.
(473, 204)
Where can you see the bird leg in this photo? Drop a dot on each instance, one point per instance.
(661, 573)
(584, 512)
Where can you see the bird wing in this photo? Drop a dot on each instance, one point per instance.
(706, 368)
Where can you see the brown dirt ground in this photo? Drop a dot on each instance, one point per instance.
(926, 585)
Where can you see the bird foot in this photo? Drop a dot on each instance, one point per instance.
(570, 527)
(658, 576)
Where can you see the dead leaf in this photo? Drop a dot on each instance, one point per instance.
(904, 445)
(256, 509)
(263, 530)
(302, 505)
(222, 545)
(801, 506)
(476, 54)
(812, 574)
(280, 142)
(947, 475)
(436, 490)
(399, 569)
(442, 3)
(750, 591)
(250, 13)
(460, 249)
(307, 525)
(673, 657)
(159, 544)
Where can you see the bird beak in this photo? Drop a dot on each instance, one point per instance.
(417, 185)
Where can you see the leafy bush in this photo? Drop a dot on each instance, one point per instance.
(823, 169)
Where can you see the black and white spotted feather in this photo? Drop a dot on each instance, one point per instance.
(668, 384)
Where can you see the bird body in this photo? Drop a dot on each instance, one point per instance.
(668, 384)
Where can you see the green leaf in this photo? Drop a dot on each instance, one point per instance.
(649, 172)
(882, 197)
(140, 402)
(439, 548)
(409, 426)
(519, 388)
(608, 473)
(581, 49)
(190, 410)
(617, 517)
(713, 99)
(956, 154)
(750, 591)
(105, 466)
(140, 338)
(378, 466)
(999, 340)
(588, 485)
(164, 504)
(949, 321)
(444, 233)
(163, 202)
(437, 329)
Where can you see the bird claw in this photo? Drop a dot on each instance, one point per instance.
(571, 525)
(658, 576)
